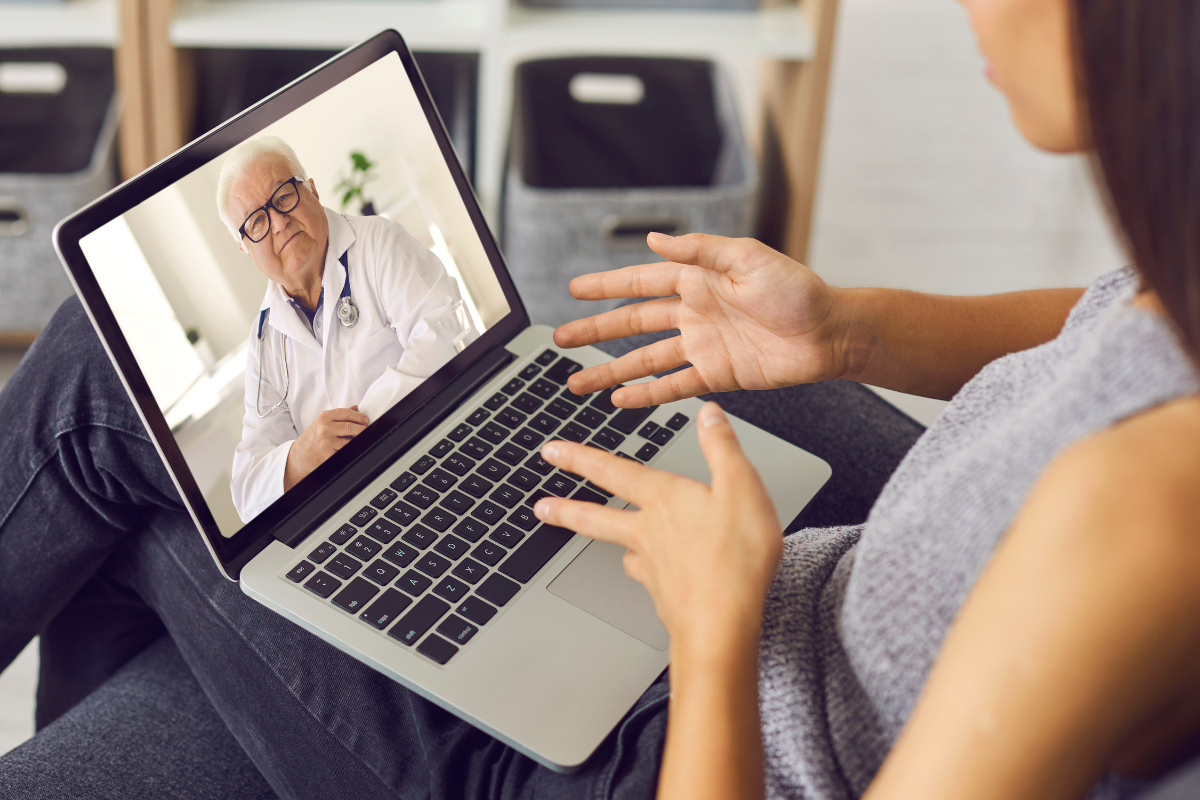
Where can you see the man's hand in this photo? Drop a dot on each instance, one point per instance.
(749, 318)
(328, 433)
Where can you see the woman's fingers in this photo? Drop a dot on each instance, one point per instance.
(643, 280)
(647, 317)
(590, 519)
(727, 462)
(700, 249)
(667, 389)
(621, 476)
(649, 360)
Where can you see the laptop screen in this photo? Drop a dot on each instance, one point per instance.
(283, 295)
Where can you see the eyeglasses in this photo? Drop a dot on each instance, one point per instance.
(285, 199)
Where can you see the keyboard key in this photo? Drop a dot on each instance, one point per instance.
(676, 422)
(476, 486)
(662, 437)
(470, 570)
(421, 496)
(538, 465)
(648, 430)
(432, 565)
(571, 397)
(440, 480)
(546, 358)
(489, 512)
(437, 648)
(527, 403)
(510, 418)
(343, 534)
(363, 548)
(403, 513)
(528, 439)
(478, 416)
(559, 484)
(322, 553)
(647, 452)
(476, 448)
(535, 495)
(381, 572)
(323, 585)
(384, 499)
(344, 566)
(424, 614)
(460, 432)
(523, 518)
(459, 464)
(561, 409)
(603, 401)
(513, 386)
(493, 432)
(608, 438)
(458, 502)
(420, 536)
(405, 480)
(414, 582)
(451, 589)
(383, 531)
(511, 453)
(423, 464)
(507, 496)
(574, 432)
(495, 401)
(471, 529)
(524, 480)
(627, 419)
(457, 630)
(544, 423)
(493, 470)
(530, 557)
(507, 535)
(529, 373)
(399, 555)
(365, 515)
(625, 455)
(300, 572)
(588, 496)
(597, 489)
(590, 417)
(476, 610)
(439, 519)
(389, 605)
(452, 547)
(355, 596)
(489, 553)
(497, 589)
(562, 369)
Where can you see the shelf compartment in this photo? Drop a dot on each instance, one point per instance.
(78, 23)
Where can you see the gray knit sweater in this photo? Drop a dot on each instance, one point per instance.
(856, 615)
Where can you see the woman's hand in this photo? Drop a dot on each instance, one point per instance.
(749, 317)
(707, 554)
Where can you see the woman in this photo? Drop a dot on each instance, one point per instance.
(1016, 618)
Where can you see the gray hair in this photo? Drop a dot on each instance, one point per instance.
(242, 158)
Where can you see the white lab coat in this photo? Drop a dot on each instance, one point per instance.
(397, 285)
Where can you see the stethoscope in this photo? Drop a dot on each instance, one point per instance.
(347, 314)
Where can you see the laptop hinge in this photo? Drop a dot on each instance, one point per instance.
(391, 447)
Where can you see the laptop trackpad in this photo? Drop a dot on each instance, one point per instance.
(596, 582)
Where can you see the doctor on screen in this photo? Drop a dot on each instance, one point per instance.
(357, 314)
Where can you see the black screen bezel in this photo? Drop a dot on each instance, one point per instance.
(233, 552)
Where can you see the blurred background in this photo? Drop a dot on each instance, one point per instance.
(859, 136)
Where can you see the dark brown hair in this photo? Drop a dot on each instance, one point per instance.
(1138, 68)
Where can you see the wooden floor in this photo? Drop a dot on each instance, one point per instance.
(924, 185)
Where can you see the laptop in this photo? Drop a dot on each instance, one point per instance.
(413, 548)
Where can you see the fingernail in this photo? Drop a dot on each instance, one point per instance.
(711, 415)
(542, 508)
(662, 235)
(550, 452)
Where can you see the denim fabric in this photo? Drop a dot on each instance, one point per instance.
(97, 554)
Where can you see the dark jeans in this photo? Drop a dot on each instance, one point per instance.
(98, 557)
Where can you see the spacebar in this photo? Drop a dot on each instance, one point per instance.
(539, 548)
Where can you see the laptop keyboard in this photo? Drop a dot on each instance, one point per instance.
(432, 558)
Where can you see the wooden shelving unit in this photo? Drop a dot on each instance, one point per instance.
(780, 57)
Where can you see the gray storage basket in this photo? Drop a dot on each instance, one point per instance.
(32, 280)
(698, 5)
(553, 235)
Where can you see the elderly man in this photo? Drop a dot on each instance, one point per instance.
(356, 315)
